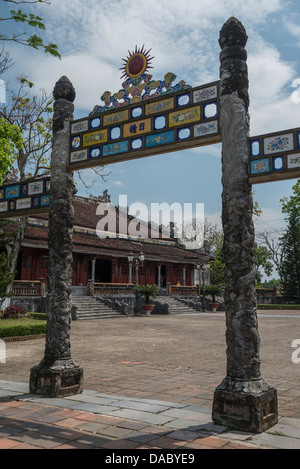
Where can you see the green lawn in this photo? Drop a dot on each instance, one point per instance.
(268, 306)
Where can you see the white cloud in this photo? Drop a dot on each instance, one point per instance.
(268, 73)
(293, 29)
(118, 183)
(270, 219)
(93, 36)
(277, 116)
(270, 87)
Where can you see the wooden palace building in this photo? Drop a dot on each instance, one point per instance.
(104, 257)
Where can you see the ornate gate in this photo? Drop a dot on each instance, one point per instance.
(145, 118)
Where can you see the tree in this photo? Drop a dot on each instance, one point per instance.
(263, 262)
(290, 270)
(256, 210)
(214, 235)
(273, 283)
(34, 21)
(292, 202)
(192, 232)
(272, 240)
(5, 60)
(25, 39)
(10, 143)
(6, 275)
(10, 137)
(217, 268)
(217, 272)
(31, 115)
(291, 265)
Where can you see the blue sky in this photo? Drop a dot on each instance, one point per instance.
(94, 35)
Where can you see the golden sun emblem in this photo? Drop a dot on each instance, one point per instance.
(136, 63)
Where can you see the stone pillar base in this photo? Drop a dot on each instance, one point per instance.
(249, 411)
(56, 381)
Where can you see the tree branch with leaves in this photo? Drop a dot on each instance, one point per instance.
(10, 143)
(272, 240)
(34, 21)
(32, 116)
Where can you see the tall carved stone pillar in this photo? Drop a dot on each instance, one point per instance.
(57, 374)
(243, 399)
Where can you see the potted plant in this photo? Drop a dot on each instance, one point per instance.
(213, 291)
(147, 291)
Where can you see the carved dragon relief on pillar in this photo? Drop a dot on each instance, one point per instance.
(57, 373)
(243, 380)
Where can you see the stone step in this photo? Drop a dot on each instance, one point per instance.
(87, 316)
(90, 308)
(175, 311)
(99, 315)
(99, 307)
(175, 306)
(85, 299)
(99, 312)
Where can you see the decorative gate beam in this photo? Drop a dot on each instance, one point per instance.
(243, 398)
(57, 374)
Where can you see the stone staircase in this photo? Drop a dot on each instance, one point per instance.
(176, 306)
(88, 307)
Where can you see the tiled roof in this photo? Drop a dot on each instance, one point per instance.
(89, 244)
(86, 241)
(88, 214)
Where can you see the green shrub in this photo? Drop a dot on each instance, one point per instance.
(212, 290)
(38, 316)
(268, 306)
(14, 312)
(147, 291)
(20, 330)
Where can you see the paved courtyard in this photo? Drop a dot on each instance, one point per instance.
(180, 358)
(149, 383)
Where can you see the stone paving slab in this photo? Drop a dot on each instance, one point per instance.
(153, 378)
(179, 359)
(33, 422)
(277, 441)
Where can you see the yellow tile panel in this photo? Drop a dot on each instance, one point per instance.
(136, 128)
(159, 106)
(116, 117)
(93, 138)
(184, 116)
